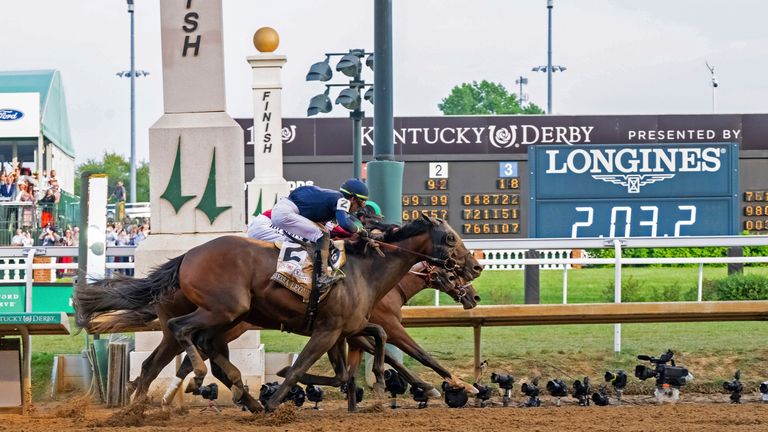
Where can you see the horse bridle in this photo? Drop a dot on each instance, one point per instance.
(430, 275)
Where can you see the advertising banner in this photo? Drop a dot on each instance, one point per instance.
(19, 115)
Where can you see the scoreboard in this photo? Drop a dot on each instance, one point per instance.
(660, 190)
(477, 198)
(557, 176)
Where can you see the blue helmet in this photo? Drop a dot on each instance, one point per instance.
(355, 187)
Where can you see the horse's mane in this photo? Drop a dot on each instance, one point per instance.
(392, 233)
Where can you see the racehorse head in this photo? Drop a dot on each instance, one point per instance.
(443, 280)
(449, 245)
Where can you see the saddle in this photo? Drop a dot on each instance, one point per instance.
(295, 267)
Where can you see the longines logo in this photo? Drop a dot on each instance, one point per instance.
(634, 168)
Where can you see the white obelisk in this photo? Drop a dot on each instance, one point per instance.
(268, 184)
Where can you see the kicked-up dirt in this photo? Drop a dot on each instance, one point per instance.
(693, 413)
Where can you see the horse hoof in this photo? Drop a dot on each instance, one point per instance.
(254, 406)
(433, 394)
(379, 390)
(268, 408)
(191, 386)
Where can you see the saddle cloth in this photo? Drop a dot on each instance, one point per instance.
(295, 266)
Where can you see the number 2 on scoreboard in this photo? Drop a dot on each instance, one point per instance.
(438, 170)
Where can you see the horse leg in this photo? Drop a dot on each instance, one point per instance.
(229, 374)
(337, 358)
(157, 360)
(320, 343)
(187, 327)
(354, 356)
(367, 345)
(380, 339)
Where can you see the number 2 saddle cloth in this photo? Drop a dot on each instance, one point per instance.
(295, 266)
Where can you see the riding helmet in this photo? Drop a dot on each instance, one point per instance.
(355, 187)
(375, 207)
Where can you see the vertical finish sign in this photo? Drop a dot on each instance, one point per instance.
(193, 61)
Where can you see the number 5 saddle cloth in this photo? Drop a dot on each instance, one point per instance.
(295, 266)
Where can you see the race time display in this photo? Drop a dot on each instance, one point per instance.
(660, 190)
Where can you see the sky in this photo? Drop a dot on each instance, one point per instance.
(622, 56)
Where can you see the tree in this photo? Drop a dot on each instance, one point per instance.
(116, 167)
(484, 98)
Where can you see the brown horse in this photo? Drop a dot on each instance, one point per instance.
(219, 284)
(387, 314)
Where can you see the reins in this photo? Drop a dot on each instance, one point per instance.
(430, 259)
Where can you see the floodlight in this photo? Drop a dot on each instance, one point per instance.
(319, 104)
(320, 71)
(369, 61)
(349, 65)
(369, 94)
(349, 98)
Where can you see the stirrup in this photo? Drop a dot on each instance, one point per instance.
(326, 281)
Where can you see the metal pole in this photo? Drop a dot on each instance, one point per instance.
(565, 284)
(713, 98)
(133, 114)
(357, 142)
(384, 148)
(700, 283)
(549, 56)
(384, 175)
(520, 99)
(617, 293)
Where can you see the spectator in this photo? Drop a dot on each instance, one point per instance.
(52, 177)
(27, 211)
(47, 203)
(141, 234)
(49, 237)
(76, 236)
(119, 196)
(7, 188)
(28, 239)
(66, 240)
(18, 239)
(42, 182)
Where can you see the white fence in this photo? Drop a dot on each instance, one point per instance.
(17, 263)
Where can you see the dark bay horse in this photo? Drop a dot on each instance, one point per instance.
(386, 313)
(221, 283)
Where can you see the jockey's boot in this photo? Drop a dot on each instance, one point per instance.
(328, 276)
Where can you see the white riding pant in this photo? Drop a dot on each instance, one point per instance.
(261, 228)
(285, 215)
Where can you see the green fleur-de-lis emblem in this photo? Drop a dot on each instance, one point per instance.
(172, 192)
(207, 203)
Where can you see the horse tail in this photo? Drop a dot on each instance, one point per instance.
(132, 297)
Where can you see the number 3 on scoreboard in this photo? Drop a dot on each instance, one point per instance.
(507, 169)
(438, 170)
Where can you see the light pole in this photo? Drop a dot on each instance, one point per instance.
(549, 68)
(132, 74)
(521, 82)
(715, 83)
(350, 97)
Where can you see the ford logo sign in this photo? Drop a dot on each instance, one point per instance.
(10, 114)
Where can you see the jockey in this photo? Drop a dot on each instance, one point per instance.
(306, 206)
(261, 228)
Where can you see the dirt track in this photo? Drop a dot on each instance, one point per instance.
(695, 415)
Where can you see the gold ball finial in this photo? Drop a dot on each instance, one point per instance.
(266, 39)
